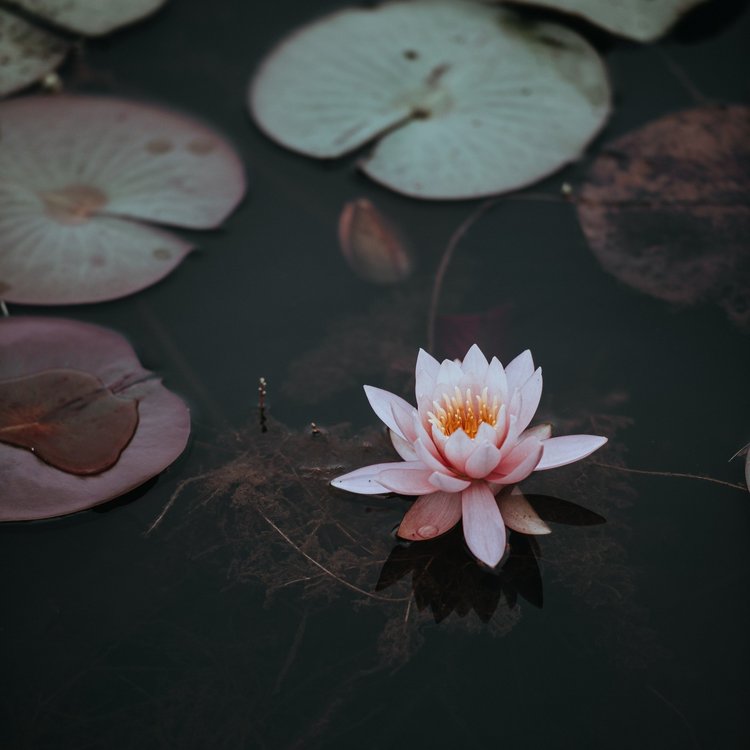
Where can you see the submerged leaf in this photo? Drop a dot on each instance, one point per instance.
(90, 17)
(32, 347)
(455, 333)
(642, 20)
(371, 245)
(665, 208)
(67, 418)
(468, 100)
(27, 53)
(72, 195)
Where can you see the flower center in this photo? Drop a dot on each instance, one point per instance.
(464, 411)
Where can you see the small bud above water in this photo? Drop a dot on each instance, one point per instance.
(371, 245)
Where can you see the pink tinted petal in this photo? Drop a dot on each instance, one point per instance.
(364, 481)
(447, 483)
(427, 439)
(407, 480)
(475, 365)
(513, 432)
(519, 370)
(484, 529)
(449, 375)
(519, 515)
(519, 463)
(438, 439)
(384, 404)
(426, 373)
(540, 431)
(560, 451)
(427, 457)
(406, 418)
(486, 434)
(496, 380)
(483, 459)
(457, 449)
(403, 447)
(430, 516)
(511, 437)
(501, 427)
(531, 393)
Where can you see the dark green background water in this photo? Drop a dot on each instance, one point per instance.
(110, 639)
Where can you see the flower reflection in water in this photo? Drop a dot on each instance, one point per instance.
(445, 577)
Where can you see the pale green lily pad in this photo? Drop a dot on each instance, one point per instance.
(467, 100)
(642, 20)
(90, 17)
(27, 53)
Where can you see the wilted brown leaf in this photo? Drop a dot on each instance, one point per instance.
(666, 209)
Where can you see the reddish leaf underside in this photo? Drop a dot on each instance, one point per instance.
(67, 418)
(665, 208)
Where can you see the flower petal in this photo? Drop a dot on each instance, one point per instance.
(560, 451)
(519, 515)
(457, 449)
(519, 370)
(483, 459)
(484, 529)
(407, 480)
(406, 418)
(448, 483)
(384, 404)
(489, 434)
(403, 447)
(426, 374)
(425, 455)
(364, 481)
(519, 463)
(475, 365)
(448, 376)
(426, 438)
(541, 431)
(531, 393)
(430, 516)
(496, 380)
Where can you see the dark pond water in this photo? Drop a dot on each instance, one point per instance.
(252, 617)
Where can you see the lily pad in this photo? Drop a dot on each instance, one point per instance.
(665, 209)
(72, 195)
(30, 348)
(90, 17)
(642, 20)
(467, 100)
(27, 53)
(66, 418)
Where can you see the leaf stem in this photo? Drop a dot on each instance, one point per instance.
(670, 474)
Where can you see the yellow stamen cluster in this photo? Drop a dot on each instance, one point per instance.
(464, 411)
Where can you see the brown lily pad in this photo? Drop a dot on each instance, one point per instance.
(68, 419)
(666, 209)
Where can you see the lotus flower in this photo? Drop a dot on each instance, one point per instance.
(468, 438)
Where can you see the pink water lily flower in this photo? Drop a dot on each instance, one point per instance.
(468, 438)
